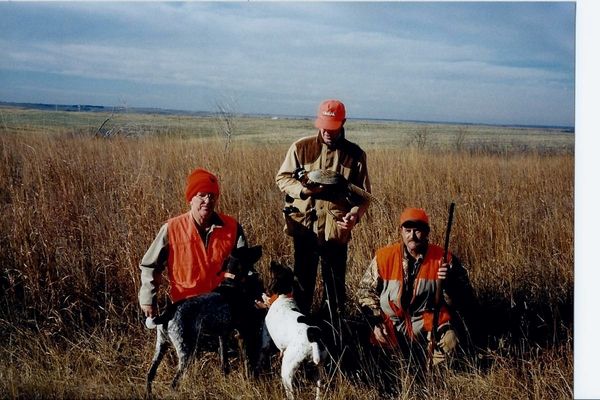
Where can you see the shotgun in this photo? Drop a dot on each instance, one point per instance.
(438, 285)
(438, 288)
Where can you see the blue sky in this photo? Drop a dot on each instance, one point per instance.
(491, 62)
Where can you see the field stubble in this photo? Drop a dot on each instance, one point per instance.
(78, 213)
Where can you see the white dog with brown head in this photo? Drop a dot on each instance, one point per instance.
(289, 329)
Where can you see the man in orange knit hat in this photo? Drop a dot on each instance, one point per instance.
(193, 246)
(398, 293)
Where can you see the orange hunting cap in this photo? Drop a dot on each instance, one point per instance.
(201, 181)
(415, 215)
(331, 115)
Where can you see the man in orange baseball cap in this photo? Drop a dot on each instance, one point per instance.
(414, 217)
(398, 288)
(318, 219)
(331, 115)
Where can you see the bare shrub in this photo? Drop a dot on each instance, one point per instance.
(225, 121)
(460, 137)
(420, 137)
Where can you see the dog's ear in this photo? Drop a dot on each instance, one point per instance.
(278, 269)
(247, 255)
(254, 254)
(282, 278)
(231, 264)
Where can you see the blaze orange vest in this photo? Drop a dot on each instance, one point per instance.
(391, 271)
(193, 267)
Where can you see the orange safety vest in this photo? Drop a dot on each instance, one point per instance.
(193, 267)
(391, 271)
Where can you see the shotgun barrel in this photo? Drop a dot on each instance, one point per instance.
(438, 287)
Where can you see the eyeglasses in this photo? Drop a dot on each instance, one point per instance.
(206, 196)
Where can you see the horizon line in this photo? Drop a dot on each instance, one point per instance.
(100, 108)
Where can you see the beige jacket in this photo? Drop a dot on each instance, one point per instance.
(316, 214)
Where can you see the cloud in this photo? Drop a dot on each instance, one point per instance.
(283, 57)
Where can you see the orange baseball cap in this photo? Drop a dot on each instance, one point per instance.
(415, 215)
(331, 115)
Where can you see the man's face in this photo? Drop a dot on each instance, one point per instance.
(330, 136)
(415, 238)
(203, 205)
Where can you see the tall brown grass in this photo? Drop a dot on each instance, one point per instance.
(79, 212)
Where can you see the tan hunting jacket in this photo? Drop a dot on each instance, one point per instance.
(316, 214)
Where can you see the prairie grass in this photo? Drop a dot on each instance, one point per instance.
(78, 212)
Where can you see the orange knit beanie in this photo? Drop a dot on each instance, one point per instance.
(201, 181)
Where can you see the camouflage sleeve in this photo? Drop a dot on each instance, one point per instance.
(368, 292)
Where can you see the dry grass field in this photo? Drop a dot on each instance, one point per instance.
(79, 207)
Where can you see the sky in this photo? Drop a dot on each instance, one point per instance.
(473, 62)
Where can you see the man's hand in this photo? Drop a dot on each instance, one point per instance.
(261, 305)
(312, 190)
(443, 270)
(149, 310)
(348, 221)
(380, 333)
(266, 301)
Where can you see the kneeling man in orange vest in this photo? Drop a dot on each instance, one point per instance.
(398, 293)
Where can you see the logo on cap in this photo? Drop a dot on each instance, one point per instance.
(331, 115)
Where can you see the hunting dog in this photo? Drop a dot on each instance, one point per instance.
(192, 323)
(289, 329)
